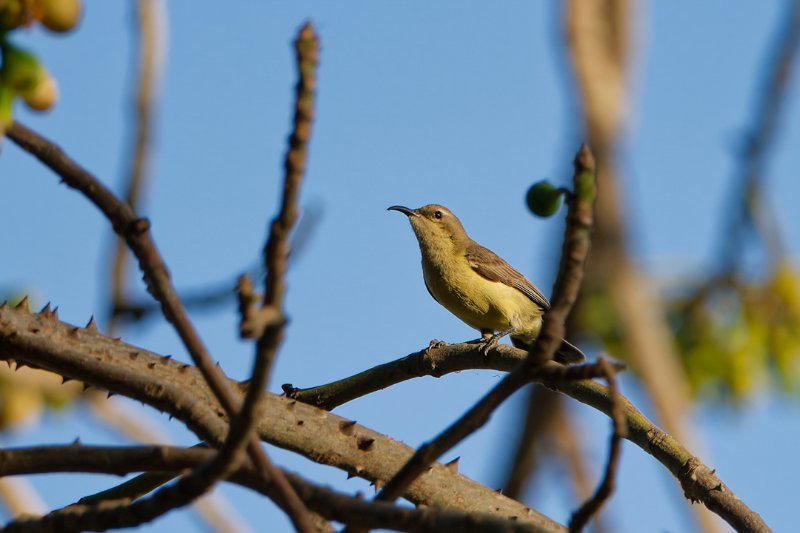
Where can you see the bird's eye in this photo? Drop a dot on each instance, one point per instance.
(437, 214)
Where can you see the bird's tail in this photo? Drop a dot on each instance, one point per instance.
(566, 354)
(569, 354)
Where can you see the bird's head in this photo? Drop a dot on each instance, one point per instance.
(434, 225)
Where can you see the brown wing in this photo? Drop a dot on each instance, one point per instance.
(492, 267)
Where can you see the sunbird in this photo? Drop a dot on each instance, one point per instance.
(477, 285)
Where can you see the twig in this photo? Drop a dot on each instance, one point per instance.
(214, 508)
(276, 253)
(276, 249)
(576, 249)
(619, 430)
(151, 25)
(210, 296)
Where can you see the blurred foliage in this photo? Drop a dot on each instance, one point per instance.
(22, 75)
(26, 393)
(736, 337)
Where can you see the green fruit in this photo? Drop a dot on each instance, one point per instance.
(21, 71)
(544, 199)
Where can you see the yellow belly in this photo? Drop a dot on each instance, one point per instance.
(481, 303)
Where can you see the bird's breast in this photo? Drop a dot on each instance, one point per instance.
(481, 303)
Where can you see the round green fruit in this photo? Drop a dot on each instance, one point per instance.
(544, 199)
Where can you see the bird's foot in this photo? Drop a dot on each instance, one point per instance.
(490, 341)
(436, 343)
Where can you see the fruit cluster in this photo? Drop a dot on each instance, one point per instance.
(22, 75)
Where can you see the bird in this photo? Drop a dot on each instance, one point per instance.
(477, 285)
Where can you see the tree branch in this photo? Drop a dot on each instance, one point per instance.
(700, 483)
(619, 428)
(329, 503)
(178, 389)
(136, 232)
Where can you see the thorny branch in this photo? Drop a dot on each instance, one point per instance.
(136, 233)
(178, 389)
(331, 504)
(306, 49)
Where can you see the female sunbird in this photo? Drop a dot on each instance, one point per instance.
(476, 285)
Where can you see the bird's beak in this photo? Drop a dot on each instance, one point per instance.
(406, 211)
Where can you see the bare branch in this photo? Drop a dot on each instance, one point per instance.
(698, 480)
(136, 233)
(619, 426)
(276, 254)
(178, 389)
(331, 504)
(151, 25)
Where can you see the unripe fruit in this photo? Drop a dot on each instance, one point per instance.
(21, 70)
(544, 199)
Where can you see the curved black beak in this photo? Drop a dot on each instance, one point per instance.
(406, 211)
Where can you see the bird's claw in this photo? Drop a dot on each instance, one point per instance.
(487, 343)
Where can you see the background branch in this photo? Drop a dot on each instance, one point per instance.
(597, 36)
(150, 29)
(749, 211)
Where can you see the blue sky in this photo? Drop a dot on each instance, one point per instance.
(459, 103)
